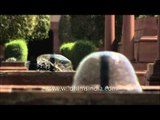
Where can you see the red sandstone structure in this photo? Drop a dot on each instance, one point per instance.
(154, 69)
(137, 35)
(140, 45)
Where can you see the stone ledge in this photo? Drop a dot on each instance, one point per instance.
(140, 66)
(22, 88)
(148, 39)
(36, 78)
(11, 68)
(141, 77)
(3, 63)
(41, 98)
(44, 78)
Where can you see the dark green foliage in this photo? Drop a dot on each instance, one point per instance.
(80, 50)
(18, 49)
(118, 27)
(65, 29)
(42, 28)
(16, 26)
(23, 27)
(76, 51)
(90, 27)
(66, 50)
(143, 16)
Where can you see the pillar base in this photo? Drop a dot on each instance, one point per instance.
(153, 73)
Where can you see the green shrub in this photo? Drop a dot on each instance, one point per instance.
(66, 50)
(76, 51)
(80, 50)
(18, 49)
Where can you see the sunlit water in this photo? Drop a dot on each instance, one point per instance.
(120, 72)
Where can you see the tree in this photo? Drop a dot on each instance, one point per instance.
(143, 16)
(16, 26)
(65, 29)
(42, 27)
(27, 27)
(23, 26)
(90, 27)
(118, 27)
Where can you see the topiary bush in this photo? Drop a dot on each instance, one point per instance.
(80, 50)
(66, 50)
(76, 51)
(18, 49)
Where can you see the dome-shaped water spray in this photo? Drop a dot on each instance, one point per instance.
(107, 70)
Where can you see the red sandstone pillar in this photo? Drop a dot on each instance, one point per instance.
(128, 36)
(55, 28)
(109, 31)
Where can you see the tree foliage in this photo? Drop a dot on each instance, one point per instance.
(75, 27)
(76, 51)
(16, 26)
(118, 27)
(65, 29)
(17, 49)
(143, 16)
(90, 27)
(42, 28)
(23, 26)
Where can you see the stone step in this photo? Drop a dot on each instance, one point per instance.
(45, 78)
(39, 88)
(11, 68)
(36, 78)
(18, 64)
(78, 98)
(141, 77)
(148, 39)
(140, 66)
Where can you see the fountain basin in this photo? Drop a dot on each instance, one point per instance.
(69, 98)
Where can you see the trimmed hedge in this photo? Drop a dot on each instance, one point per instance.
(76, 51)
(80, 50)
(18, 49)
(66, 50)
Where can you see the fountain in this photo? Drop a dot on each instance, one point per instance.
(109, 70)
(54, 62)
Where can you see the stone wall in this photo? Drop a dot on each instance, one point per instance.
(145, 39)
(146, 27)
